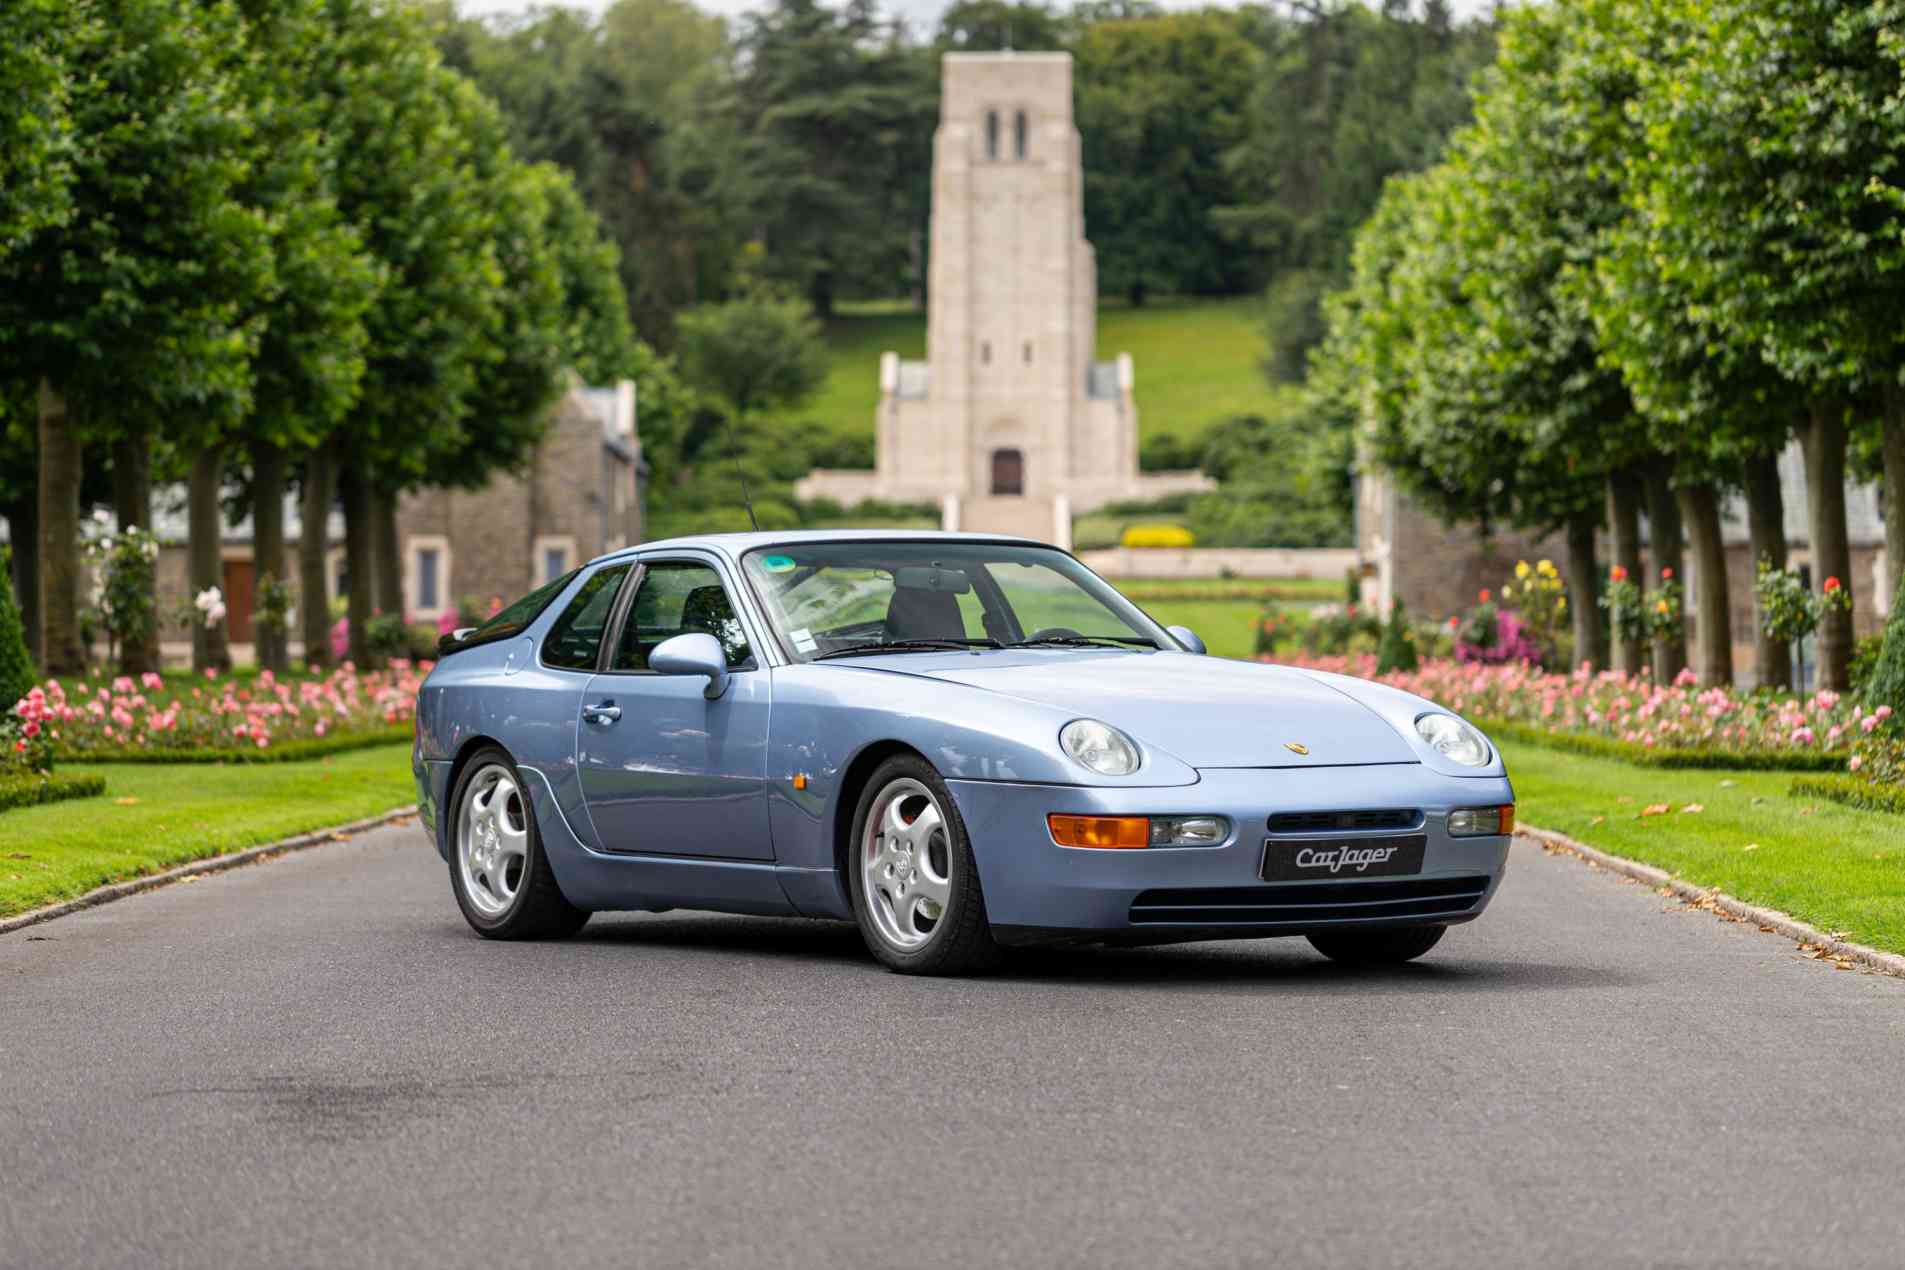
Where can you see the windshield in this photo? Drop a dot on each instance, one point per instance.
(833, 598)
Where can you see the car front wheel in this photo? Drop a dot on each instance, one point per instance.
(1378, 947)
(915, 887)
(498, 870)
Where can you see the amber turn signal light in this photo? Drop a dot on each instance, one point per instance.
(1474, 822)
(1103, 832)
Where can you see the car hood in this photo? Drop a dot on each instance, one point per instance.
(1207, 711)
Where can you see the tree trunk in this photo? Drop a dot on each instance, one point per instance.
(268, 478)
(1584, 575)
(1667, 543)
(61, 652)
(23, 531)
(358, 553)
(383, 513)
(1623, 518)
(1824, 439)
(315, 495)
(1892, 443)
(211, 649)
(1766, 528)
(1700, 512)
(132, 480)
(132, 505)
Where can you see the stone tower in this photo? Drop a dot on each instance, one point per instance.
(1010, 424)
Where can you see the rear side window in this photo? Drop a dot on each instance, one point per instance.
(512, 620)
(677, 598)
(576, 638)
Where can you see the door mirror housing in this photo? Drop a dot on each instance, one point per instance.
(693, 654)
(1187, 637)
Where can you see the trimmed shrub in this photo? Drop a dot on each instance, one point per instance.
(1886, 685)
(1397, 652)
(279, 752)
(1660, 756)
(17, 673)
(32, 788)
(1852, 792)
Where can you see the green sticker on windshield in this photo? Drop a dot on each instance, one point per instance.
(777, 564)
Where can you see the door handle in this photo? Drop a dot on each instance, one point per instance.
(607, 712)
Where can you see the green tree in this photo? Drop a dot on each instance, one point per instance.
(756, 353)
(17, 673)
(36, 131)
(1158, 107)
(1769, 192)
(141, 286)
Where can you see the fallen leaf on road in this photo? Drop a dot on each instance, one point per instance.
(126, 802)
(1598, 820)
(1693, 807)
(1655, 809)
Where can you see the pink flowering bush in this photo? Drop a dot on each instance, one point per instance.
(26, 740)
(1679, 715)
(120, 716)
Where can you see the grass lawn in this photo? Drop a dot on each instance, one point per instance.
(1197, 361)
(154, 817)
(1840, 869)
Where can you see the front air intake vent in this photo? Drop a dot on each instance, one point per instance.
(1309, 903)
(1339, 821)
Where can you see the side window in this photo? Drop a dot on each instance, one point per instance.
(678, 598)
(576, 637)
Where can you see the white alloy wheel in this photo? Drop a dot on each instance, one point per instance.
(492, 846)
(906, 864)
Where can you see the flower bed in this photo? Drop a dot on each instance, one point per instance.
(219, 719)
(1611, 712)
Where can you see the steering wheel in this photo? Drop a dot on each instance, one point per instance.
(1055, 632)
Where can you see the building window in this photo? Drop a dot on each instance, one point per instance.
(985, 352)
(1028, 352)
(1018, 135)
(1008, 472)
(555, 556)
(427, 584)
(992, 134)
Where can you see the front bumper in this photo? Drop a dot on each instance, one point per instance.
(1037, 890)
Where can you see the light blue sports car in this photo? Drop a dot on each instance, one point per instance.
(959, 742)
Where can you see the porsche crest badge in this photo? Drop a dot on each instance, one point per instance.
(1296, 747)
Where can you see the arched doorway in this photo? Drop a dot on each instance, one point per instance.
(1008, 471)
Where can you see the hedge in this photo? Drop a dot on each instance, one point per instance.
(29, 789)
(277, 752)
(1853, 792)
(1647, 756)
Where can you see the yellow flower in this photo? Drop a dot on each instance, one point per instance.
(1546, 568)
(1660, 607)
(1521, 570)
(1507, 592)
(1561, 605)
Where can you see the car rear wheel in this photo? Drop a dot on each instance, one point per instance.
(915, 887)
(498, 870)
(1378, 947)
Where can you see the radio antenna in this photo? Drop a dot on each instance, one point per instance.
(740, 470)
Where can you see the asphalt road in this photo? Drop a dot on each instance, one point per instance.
(312, 1063)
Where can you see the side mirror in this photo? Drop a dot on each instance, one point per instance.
(1187, 637)
(693, 654)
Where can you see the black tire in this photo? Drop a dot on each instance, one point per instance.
(539, 910)
(1378, 947)
(961, 939)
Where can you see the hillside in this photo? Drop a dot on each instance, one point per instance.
(1197, 362)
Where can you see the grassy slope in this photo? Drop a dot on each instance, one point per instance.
(186, 813)
(1197, 362)
(1840, 869)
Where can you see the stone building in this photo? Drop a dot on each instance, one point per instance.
(580, 496)
(1011, 423)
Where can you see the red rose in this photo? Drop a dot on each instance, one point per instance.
(1618, 573)
(1666, 575)
(1832, 584)
(1484, 595)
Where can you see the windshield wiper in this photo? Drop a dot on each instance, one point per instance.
(1086, 641)
(909, 646)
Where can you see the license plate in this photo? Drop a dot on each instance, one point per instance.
(1342, 858)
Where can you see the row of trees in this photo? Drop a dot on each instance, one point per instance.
(1670, 242)
(1222, 147)
(269, 242)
